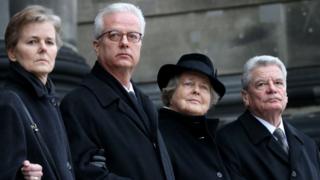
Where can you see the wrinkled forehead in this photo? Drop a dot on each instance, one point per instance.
(267, 72)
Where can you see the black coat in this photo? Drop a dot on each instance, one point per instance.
(18, 140)
(251, 152)
(191, 146)
(100, 115)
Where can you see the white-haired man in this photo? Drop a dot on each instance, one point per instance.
(113, 135)
(260, 145)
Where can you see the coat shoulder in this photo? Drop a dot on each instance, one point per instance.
(8, 98)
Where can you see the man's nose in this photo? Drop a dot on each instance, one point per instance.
(124, 40)
(271, 86)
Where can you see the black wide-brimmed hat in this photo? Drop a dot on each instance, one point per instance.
(191, 62)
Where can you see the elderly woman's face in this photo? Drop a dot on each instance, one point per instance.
(36, 49)
(192, 95)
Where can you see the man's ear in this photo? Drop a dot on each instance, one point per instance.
(11, 55)
(245, 98)
(96, 45)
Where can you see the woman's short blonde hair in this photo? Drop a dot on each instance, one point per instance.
(31, 14)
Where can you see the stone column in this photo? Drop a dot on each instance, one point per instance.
(4, 18)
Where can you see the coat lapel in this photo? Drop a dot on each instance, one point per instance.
(106, 96)
(295, 145)
(260, 135)
(275, 148)
(131, 114)
(141, 107)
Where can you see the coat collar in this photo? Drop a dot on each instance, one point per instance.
(296, 144)
(108, 91)
(258, 133)
(255, 130)
(198, 126)
(19, 75)
(104, 85)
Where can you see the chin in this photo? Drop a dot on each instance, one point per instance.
(194, 113)
(42, 71)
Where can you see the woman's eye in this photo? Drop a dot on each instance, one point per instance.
(32, 42)
(188, 83)
(205, 87)
(50, 42)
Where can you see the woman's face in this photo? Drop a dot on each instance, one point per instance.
(36, 49)
(192, 95)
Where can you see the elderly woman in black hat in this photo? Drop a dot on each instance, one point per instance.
(189, 89)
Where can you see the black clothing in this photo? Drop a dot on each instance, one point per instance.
(251, 152)
(191, 146)
(100, 115)
(18, 141)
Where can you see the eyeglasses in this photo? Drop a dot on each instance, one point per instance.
(116, 36)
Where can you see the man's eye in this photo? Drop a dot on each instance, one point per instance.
(114, 35)
(261, 84)
(133, 36)
(279, 83)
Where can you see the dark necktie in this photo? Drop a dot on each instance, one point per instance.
(138, 108)
(281, 139)
(133, 97)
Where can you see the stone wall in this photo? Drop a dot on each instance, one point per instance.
(229, 32)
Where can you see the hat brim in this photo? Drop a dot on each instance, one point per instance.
(169, 71)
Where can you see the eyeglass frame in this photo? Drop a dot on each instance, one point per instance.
(121, 36)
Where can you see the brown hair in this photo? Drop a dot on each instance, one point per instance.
(30, 14)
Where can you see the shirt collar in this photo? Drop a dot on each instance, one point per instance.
(271, 128)
(130, 89)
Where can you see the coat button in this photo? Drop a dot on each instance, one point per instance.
(293, 173)
(219, 175)
(201, 137)
(53, 101)
(69, 167)
(154, 145)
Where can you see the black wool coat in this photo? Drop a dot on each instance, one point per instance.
(99, 115)
(18, 141)
(251, 152)
(191, 146)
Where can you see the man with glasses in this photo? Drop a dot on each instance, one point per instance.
(112, 125)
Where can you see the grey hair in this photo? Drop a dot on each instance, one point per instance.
(114, 8)
(168, 91)
(259, 61)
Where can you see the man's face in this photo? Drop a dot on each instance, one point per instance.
(122, 55)
(266, 93)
